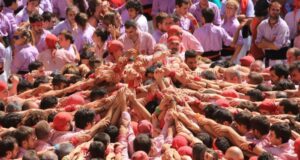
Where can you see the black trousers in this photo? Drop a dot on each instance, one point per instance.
(212, 55)
(275, 55)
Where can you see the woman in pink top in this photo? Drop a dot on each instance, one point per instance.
(100, 37)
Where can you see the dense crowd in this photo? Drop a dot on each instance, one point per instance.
(150, 79)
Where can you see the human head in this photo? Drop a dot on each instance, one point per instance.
(255, 78)
(102, 137)
(115, 48)
(100, 36)
(222, 144)
(48, 102)
(210, 154)
(13, 4)
(161, 21)
(82, 20)
(42, 130)
(294, 72)
(280, 133)
(288, 106)
(265, 156)
(205, 138)
(231, 9)
(199, 151)
(30, 155)
(134, 8)
(8, 148)
(131, 29)
(260, 126)
(257, 66)
(48, 155)
(292, 55)
(49, 20)
(65, 39)
(232, 76)
(283, 85)
(84, 118)
(62, 121)
(182, 7)
(71, 12)
(223, 116)
(22, 36)
(234, 153)
(32, 117)
(59, 81)
(36, 23)
(32, 5)
(25, 137)
(113, 132)
(140, 155)
(208, 15)
(255, 95)
(242, 120)
(97, 93)
(142, 142)
(63, 149)
(174, 44)
(11, 120)
(278, 72)
(210, 110)
(97, 150)
(190, 58)
(274, 10)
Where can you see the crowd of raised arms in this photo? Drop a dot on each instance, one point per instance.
(150, 79)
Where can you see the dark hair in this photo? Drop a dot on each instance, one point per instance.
(284, 84)
(256, 78)
(208, 74)
(30, 155)
(222, 144)
(205, 138)
(8, 3)
(97, 150)
(35, 65)
(142, 142)
(63, 149)
(35, 18)
(51, 116)
(181, 2)
(102, 137)
(47, 16)
(59, 79)
(210, 109)
(281, 70)
(281, 94)
(33, 117)
(282, 130)
(190, 54)
(67, 35)
(243, 118)
(208, 15)
(261, 8)
(23, 133)
(160, 18)
(42, 130)
(135, 5)
(261, 124)
(255, 95)
(151, 106)
(264, 87)
(265, 156)
(199, 151)
(40, 80)
(289, 106)
(102, 34)
(48, 102)
(11, 120)
(7, 144)
(97, 93)
(130, 23)
(81, 19)
(13, 107)
(223, 115)
(113, 132)
(83, 116)
(23, 86)
(2, 106)
(74, 79)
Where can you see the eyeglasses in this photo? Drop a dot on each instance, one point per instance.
(16, 37)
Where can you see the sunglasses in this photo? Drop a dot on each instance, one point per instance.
(16, 37)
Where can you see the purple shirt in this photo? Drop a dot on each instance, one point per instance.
(283, 152)
(9, 13)
(249, 9)
(60, 7)
(279, 34)
(124, 13)
(292, 20)
(197, 12)
(145, 42)
(41, 44)
(41, 145)
(5, 26)
(231, 25)
(141, 22)
(84, 37)
(23, 57)
(64, 25)
(157, 34)
(212, 37)
(45, 5)
(189, 41)
(185, 23)
(23, 16)
(167, 6)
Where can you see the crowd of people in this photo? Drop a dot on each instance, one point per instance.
(150, 79)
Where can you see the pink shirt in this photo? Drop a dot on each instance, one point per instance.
(188, 40)
(283, 152)
(41, 145)
(144, 44)
(297, 42)
(62, 136)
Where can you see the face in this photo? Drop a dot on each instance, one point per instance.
(274, 10)
(274, 78)
(37, 27)
(192, 63)
(32, 5)
(208, 156)
(183, 9)
(273, 139)
(290, 57)
(174, 47)
(71, 16)
(18, 39)
(97, 40)
(132, 13)
(32, 141)
(295, 76)
(104, 7)
(15, 5)
(14, 153)
(203, 4)
(165, 25)
(63, 42)
(131, 32)
(255, 67)
(241, 128)
(3, 94)
(230, 11)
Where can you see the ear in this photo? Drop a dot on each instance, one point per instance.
(24, 143)
(8, 154)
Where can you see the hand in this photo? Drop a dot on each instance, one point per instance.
(14, 79)
(159, 74)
